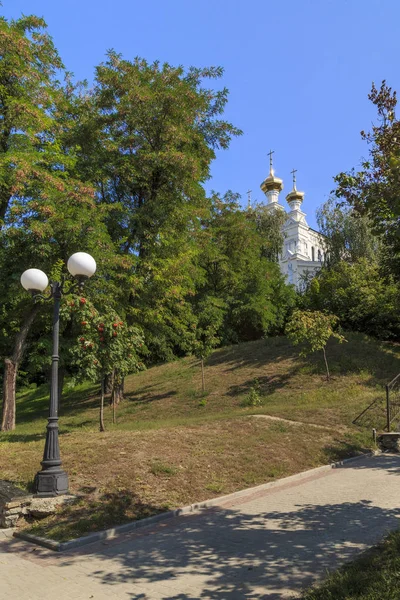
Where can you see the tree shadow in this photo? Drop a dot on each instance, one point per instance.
(360, 354)
(267, 385)
(225, 553)
(139, 397)
(12, 438)
(236, 555)
(93, 511)
(383, 462)
(34, 404)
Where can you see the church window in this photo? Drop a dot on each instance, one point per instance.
(312, 253)
(319, 255)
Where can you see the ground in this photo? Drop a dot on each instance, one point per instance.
(173, 446)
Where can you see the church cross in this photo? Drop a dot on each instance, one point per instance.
(294, 178)
(270, 153)
(249, 198)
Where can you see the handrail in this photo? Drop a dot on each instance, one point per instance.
(392, 406)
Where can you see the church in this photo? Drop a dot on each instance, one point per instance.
(304, 248)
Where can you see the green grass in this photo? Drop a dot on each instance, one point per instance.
(171, 442)
(375, 575)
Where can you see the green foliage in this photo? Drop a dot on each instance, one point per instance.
(253, 398)
(103, 343)
(235, 269)
(209, 312)
(348, 234)
(375, 189)
(362, 298)
(313, 329)
(119, 172)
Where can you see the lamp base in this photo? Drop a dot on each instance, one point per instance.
(49, 483)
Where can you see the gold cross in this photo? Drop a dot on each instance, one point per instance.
(249, 198)
(294, 177)
(270, 153)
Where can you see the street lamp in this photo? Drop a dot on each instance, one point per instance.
(52, 480)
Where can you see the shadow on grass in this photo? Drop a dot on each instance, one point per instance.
(139, 397)
(267, 385)
(360, 354)
(21, 437)
(91, 513)
(34, 404)
(343, 450)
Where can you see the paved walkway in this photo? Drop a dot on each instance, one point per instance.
(265, 545)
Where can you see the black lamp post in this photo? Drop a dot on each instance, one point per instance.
(52, 480)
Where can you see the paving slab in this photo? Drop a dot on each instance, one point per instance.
(266, 544)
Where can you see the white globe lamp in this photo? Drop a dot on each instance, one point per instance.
(81, 264)
(34, 280)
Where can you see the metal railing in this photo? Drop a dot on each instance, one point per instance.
(392, 401)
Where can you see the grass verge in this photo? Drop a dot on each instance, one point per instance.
(375, 575)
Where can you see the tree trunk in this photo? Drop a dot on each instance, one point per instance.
(203, 382)
(113, 413)
(11, 370)
(326, 365)
(108, 383)
(117, 394)
(102, 428)
(10, 376)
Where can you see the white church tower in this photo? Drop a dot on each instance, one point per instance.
(303, 248)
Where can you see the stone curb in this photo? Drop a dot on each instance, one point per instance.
(7, 532)
(191, 508)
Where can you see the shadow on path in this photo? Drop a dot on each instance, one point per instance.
(246, 552)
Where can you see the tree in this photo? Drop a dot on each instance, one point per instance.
(313, 329)
(103, 344)
(375, 189)
(31, 157)
(148, 135)
(359, 295)
(348, 234)
(235, 269)
(210, 314)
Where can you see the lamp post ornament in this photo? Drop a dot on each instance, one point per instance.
(52, 480)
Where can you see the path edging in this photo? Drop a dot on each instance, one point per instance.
(191, 508)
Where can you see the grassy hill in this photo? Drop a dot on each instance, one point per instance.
(172, 445)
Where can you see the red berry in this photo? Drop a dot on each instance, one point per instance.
(82, 339)
(115, 334)
(82, 300)
(115, 325)
(84, 323)
(102, 339)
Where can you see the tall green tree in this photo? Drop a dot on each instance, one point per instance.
(374, 190)
(236, 270)
(31, 158)
(148, 135)
(348, 234)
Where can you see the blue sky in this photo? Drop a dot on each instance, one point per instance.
(298, 72)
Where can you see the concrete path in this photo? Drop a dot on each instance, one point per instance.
(264, 545)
